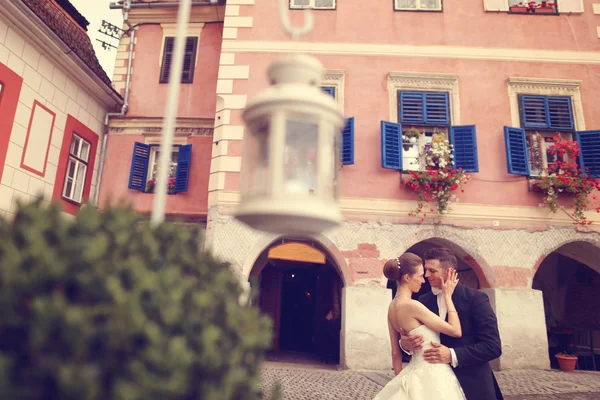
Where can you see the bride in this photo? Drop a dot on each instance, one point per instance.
(421, 380)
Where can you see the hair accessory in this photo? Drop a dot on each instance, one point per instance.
(398, 261)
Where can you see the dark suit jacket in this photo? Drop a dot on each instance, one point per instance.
(479, 344)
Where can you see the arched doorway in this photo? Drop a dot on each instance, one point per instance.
(467, 275)
(301, 290)
(569, 279)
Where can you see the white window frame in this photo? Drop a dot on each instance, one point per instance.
(545, 87)
(170, 30)
(417, 7)
(153, 160)
(419, 82)
(75, 157)
(335, 78)
(423, 82)
(421, 142)
(311, 5)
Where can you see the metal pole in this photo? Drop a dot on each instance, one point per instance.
(160, 191)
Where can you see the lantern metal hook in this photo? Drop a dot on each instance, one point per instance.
(295, 32)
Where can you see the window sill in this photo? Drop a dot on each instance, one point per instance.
(539, 11)
(75, 203)
(152, 192)
(409, 10)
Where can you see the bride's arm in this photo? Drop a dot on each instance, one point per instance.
(434, 322)
(396, 352)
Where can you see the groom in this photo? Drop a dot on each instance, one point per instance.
(480, 341)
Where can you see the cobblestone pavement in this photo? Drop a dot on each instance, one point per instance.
(308, 382)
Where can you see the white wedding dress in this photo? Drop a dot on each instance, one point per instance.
(421, 380)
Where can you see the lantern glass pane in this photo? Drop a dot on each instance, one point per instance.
(300, 157)
(256, 160)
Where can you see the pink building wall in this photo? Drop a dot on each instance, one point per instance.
(148, 96)
(462, 23)
(483, 93)
(117, 165)
(147, 103)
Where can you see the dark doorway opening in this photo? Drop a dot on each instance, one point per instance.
(298, 292)
(304, 301)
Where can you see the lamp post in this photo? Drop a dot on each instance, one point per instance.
(291, 160)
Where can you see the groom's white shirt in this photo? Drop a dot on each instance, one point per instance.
(443, 310)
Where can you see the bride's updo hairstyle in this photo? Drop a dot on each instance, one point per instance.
(406, 264)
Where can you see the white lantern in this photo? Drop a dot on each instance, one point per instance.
(291, 160)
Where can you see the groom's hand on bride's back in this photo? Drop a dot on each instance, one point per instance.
(439, 354)
(410, 343)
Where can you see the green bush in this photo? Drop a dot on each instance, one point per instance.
(106, 307)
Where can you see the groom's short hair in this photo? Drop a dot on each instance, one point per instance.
(444, 255)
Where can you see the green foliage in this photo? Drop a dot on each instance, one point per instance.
(104, 306)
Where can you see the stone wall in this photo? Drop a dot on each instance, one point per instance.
(504, 259)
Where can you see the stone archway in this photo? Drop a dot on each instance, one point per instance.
(300, 288)
(470, 271)
(569, 278)
(467, 251)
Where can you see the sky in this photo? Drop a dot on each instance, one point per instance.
(95, 11)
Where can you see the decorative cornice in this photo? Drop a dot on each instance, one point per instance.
(423, 80)
(414, 51)
(462, 213)
(152, 126)
(200, 13)
(520, 83)
(334, 75)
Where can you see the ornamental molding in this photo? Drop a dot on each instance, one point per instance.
(153, 126)
(547, 85)
(336, 78)
(333, 75)
(423, 82)
(407, 80)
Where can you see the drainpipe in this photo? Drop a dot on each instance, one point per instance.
(125, 106)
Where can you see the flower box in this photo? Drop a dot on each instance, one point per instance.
(545, 10)
(518, 9)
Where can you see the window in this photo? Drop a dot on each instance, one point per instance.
(418, 5)
(314, 4)
(347, 145)
(536, 7)
(189, 60)
(144, 168)
(421, 115)
(541, 118)
(77, 168)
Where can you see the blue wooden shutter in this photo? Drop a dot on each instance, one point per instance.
(560, 115)
(391, 145)
(412, 107)
(328, 90)
(139, 166)
(437, 108)
(183, 168)
(517, 157)
(429, 108)
(589, 152)
(535, 111)
(464, 140)
(347, 155)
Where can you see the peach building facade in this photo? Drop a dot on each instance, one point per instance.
(478, 64)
